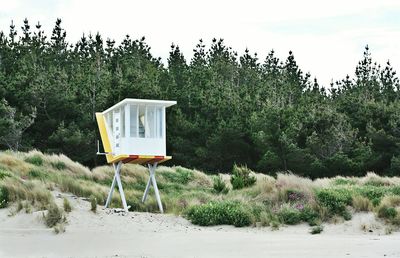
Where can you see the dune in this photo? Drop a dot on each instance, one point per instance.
(111, 233)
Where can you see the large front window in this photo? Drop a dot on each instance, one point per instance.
(146, 121)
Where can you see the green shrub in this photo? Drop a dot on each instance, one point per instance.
(316, 229)
(373, 193)
(4, 174)
(395, 190)
(3, 197)
(335, 200)
(58, 165)
(346, 214)
(241, 177)
(180, 176)
(67, 205)
(219, 185)
(35, 173)
(375, 182)
(53, 216)
(289, 216)
(219, 213)
(386, 212)
(310, 216)
(343, 181)
(93, 203)
(35, 160)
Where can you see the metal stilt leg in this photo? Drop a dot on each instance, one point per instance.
(152, 181)
(117, 178)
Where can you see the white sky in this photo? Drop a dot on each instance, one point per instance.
(327, 37)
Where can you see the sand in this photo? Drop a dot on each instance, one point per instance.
(109, 234)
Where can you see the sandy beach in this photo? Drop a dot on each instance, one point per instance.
(112, 234)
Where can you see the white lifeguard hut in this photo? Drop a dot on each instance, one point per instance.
(134, 131)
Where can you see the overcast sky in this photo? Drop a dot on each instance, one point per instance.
(326, 37)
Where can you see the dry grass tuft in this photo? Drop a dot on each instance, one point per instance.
(75, 168)
(391, 201)
(54, 216)
(59, 228)
(67, 205)
(361, 203)
(33, 191)
(82, 188)
(285, 182)
(103, 173)
(13, 163)
(200, 179)
(374, 180)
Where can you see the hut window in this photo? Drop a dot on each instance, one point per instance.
(133, 117)
(142, 121)
(150, 122)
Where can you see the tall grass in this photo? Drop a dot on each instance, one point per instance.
(257, 199)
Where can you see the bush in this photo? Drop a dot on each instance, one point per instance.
(219, 185)
(53, 216)
(59, 165)
(67, 205)
(179, 176)
(373, 193)
(316, 229)
(35, 173)
(93, 203)
(346, 214)
(310, 216)
(4, 174)
(3, 197)
(219, 213)
(59, 228)
(335, 200)
(241, 177)
(386, 212)
(289, 216)
(361, 203)
(343, 181)
(294, 195)
(395, 190)
(35, 160)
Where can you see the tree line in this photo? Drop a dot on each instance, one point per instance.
(266, 114)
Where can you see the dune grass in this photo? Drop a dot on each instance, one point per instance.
(255, 199)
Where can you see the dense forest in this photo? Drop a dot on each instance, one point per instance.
(266, 114)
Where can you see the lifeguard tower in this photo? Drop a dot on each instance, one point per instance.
(134, 131)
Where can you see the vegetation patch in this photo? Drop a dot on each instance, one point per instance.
(54, 216)
(289, 215)
(58, 165)
(67, 205)
(219, 213)
(3, 197)
(241, 177)
(335, 200)
(219, 185)
(316, 229)
(35, 160)
(179, 176)
(343, 181)
(203, 199)
(93, 203)
(387, 212)
(36, 173)
(361, 203)
(4, 173)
